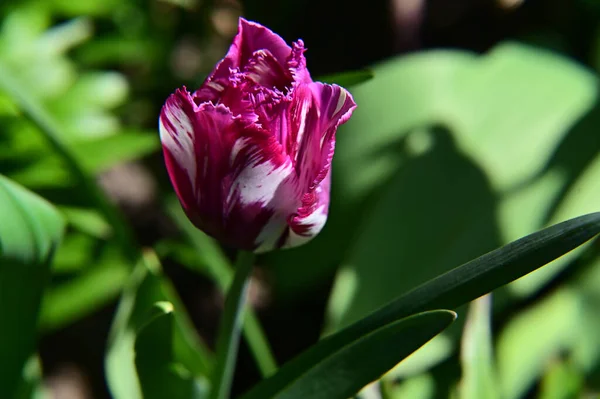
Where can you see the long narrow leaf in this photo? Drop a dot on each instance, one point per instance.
(452, 289)
(345, 371)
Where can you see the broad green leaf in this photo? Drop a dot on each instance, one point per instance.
(418, 387)
(452, 289)
(161, 375)
(443, 161)
(515, 130)
(561, 381)
(144, 288)
(89, 7)
(95, 285)
(102, 89)
(433, 352)
(87, 220)
(31, 384)
(482, 177)
(580, 196)
(478, 366)
(56, 138)
(347, 79)
(30, 231)
(533, 338)
(344, 372)
(95, 156)
(586, 349)
(388, 256)
(101, 153)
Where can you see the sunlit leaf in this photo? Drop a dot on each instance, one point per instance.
(30, 231)
(160, 373)
(144, 288)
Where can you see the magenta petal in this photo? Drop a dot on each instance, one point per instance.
(296, 63)
(263, 192)
(252, 37)
(310, 218)
(322, 108)
(249, 153)
(266, 71)
(234, 183)
(196, 143)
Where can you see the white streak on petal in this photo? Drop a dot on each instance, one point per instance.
(301, 129)
(237, 146)
(179, 142)
(341, 101)
(216, 86)
(270, 234)
(259, 182)
(316, 220)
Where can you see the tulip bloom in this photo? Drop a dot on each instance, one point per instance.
(249, 153)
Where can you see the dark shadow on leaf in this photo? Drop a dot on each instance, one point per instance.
(575, 153)
(439, 199)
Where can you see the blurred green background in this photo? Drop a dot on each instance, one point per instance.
(477, 123)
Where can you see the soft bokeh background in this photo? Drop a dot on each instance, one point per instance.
(477, 123)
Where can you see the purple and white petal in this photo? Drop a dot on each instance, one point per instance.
(263, 190)
(263, 69)
(196, 143)
(249, 153)
(309, 219)
(296, 63)
(252, 37)
(320, 108)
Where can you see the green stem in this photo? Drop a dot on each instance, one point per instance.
(229, 331)
(218, 268)
(50, 130)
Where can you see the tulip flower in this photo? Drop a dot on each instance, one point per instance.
(249, 153)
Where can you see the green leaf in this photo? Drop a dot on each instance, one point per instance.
(347, 79)
(454, 288)
(161, 375)
(586, 349)
(478, 371)
(145, 287)
(30, 231)
(31, 384)
(101, 153)
(343, 372)
(419, 387)
(478, 175)
(93, 287)
(400, 221)
(561, 381)
(580, 195)
(87, 220)
(535, 337)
